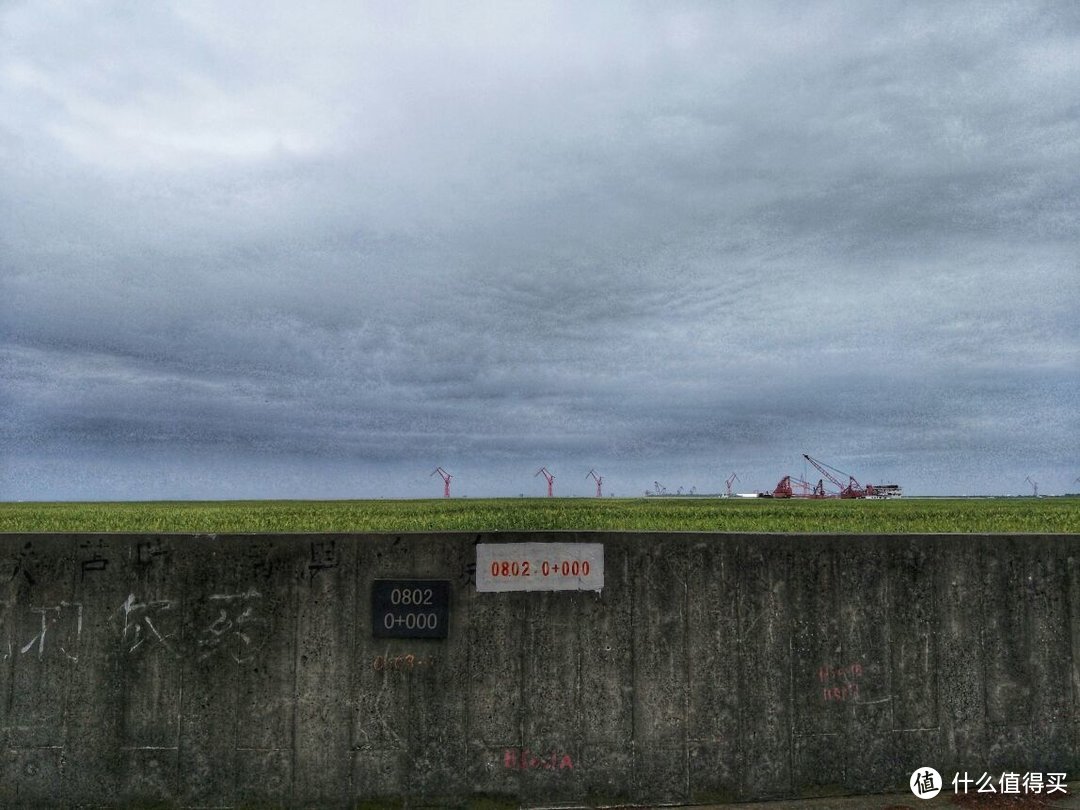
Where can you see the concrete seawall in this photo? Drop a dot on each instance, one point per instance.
(245, 669)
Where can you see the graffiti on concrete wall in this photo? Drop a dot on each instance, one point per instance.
(150, 622)
(402, 663)
(522, 759)
(64, 620)
(324, 555)
(93, 559)
(839, 683)
(235, 625)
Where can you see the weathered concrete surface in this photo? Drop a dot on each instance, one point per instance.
(227, 671)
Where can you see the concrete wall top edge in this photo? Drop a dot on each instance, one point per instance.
(562, 534)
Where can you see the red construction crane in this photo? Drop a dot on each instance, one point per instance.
(731, 479)
(852, 489)
(550, 478)
(599, 480)
(446, 480)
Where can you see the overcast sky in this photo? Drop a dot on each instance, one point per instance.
(274, 250)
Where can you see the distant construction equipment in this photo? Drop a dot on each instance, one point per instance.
(783, 488)
(550, 478)
(853, 489)
(446, 480)
(787, 487)
(680, 492)
(731, 479)
(804, 489)
(599, 482)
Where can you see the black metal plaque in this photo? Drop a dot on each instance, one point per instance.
(410, 608)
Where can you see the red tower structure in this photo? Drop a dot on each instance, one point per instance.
(783, 488)
(599, 480)
(446, 480)
(550, 478)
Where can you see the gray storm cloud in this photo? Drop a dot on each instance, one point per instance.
(257, 251)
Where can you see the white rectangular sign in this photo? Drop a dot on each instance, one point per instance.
(539, 567)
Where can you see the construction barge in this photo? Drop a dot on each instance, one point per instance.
(789, 487)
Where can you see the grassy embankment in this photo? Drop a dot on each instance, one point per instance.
(1000, 515)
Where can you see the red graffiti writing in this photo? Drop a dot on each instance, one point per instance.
(845, 692)
(399, 662)
(832, 673)
(840, 682)
(521, 759)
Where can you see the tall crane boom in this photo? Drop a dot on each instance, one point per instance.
(599, 482)
(446, 480)
(731, 478)
(852, 489)
(548, 476)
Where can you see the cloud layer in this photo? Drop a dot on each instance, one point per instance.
(261, 252)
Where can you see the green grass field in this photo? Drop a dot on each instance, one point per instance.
(912, 516)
